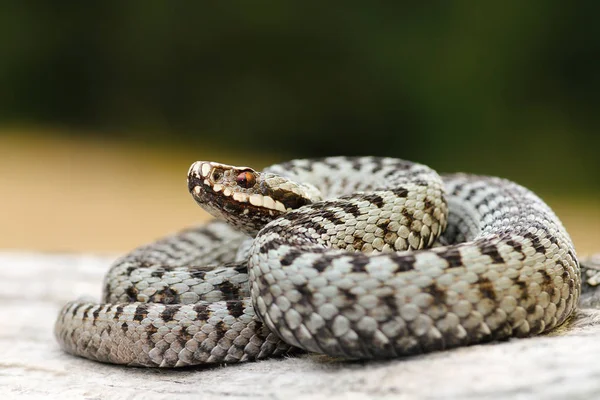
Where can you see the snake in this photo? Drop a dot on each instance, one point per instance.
(352, 257)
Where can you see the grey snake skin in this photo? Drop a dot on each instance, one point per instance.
(356, 257)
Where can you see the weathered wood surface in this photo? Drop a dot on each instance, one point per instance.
(565, 364)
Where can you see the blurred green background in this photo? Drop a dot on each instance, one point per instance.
(504, 88)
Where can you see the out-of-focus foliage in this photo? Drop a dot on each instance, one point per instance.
(506, 87)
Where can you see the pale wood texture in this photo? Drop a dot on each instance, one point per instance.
(33, 287)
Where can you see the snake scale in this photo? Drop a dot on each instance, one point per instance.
(355, 257)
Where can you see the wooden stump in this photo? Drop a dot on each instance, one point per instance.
(33, 287)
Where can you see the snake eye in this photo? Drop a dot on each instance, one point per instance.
(246, 179)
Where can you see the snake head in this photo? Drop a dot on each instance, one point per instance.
(245, 198)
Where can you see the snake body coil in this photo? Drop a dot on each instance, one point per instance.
(355, 257)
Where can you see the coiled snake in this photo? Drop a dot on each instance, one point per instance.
(354, 257)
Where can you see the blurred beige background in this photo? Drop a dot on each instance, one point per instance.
(70, 194)
(73, 194)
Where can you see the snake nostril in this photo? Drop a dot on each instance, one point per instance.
(217, 174)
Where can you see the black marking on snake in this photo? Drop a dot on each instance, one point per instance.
(166, 296)
(487, 199)
(350, 208)
(86, 311)
(516, 247)
(141, 312)
(322, 263)
(169, 312)
(272, 244)
(118, 313)
(184, 337)
(330, 163)
(429, 207)
(290, 200)
(319, 229)
(183, 238)
(242, 268)
(570, 281)
(546, 277)
(473, 192)
(378, 165)
(151, 329)
(522, 289)
(202, 311)
(75, 309)
(264, 290)
(404, 261)
(197, 273)
(130, 269)
(409, 217)
(404, 165)
(452, 256)
(210, 235)
(439, 295)
(535, 242)
(328, 215)
(306, 294)
(554, 292)
(358, 243)
(348, 295)
(546, 231)
(384, 226)
(157, 273)
(359, 262)
(293, 167)
(324, 210)
(177, 247)
(565, 274)
(531, 308)
(374, 199)
(486, 287)
(390, 301)
(235, 308)
(503, 331)
(356, 164)
(125, 327)
(457, 188)
(220, 331)
(95, 315)
(290, 257)
(400, 192)
(229, 290)
(491, 251)
(420, 182)
(132, 293)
